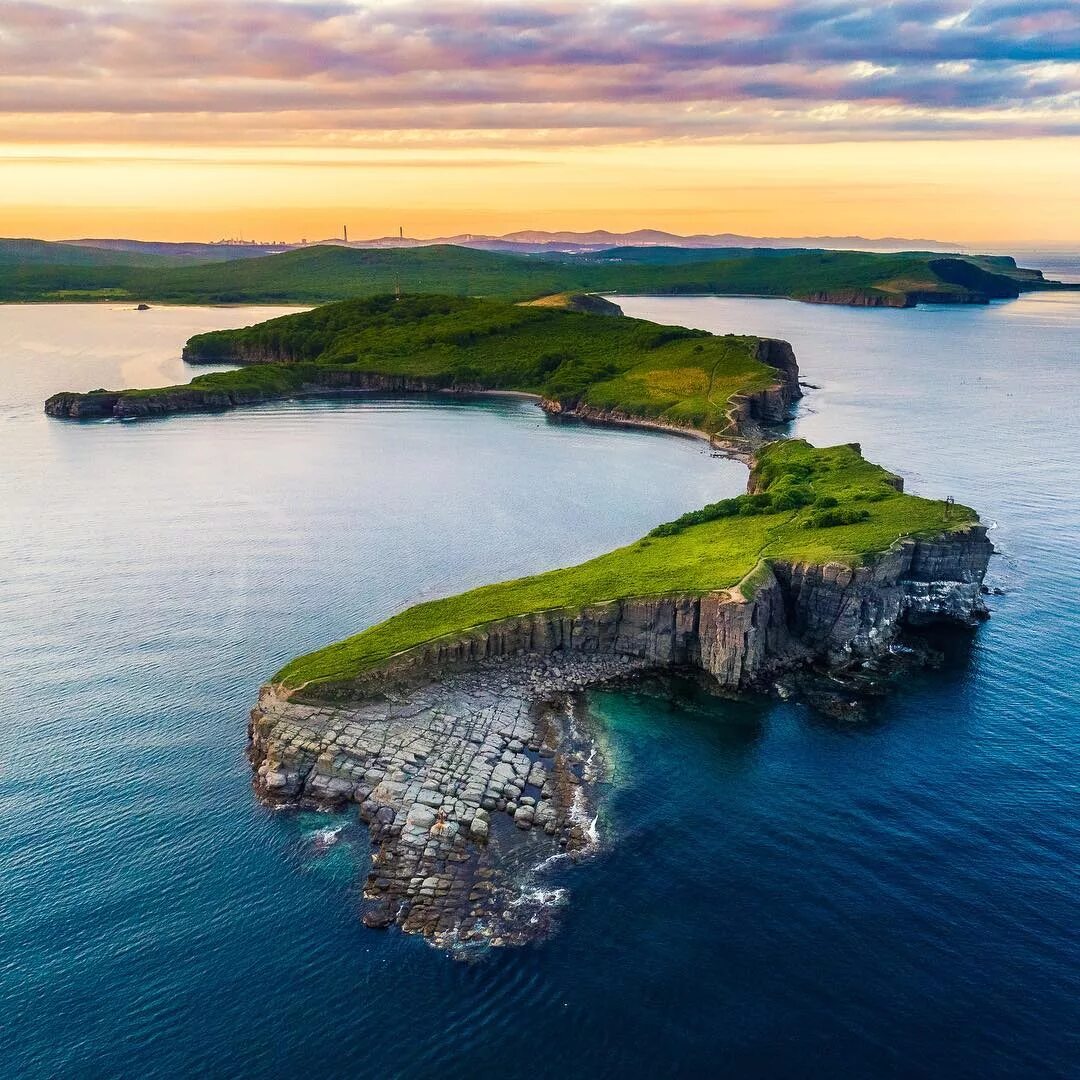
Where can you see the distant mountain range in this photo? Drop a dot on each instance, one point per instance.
(528, 241)
(601, 238)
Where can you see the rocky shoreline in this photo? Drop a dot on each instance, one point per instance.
(454, 749)
(470, 787)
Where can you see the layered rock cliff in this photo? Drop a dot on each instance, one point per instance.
(311, 381)
(468, 759)
(181, 399)
(783, 616)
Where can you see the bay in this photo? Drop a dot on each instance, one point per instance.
(777, 896)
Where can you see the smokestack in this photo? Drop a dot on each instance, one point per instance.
(346, 230)
(401, 232)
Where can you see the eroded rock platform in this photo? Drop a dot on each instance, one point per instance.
(467, 786)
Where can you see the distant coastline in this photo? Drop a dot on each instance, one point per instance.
(34, 271)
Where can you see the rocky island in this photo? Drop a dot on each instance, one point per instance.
(457, 727)
(569, 353)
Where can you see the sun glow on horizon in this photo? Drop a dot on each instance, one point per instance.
(282, 120)
(973, 192)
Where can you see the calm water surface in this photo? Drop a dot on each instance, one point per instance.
(780, 898)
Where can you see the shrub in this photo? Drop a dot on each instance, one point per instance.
(547, 362)
(790, 496)
(826, 519)
(741, 506)
(749, 505)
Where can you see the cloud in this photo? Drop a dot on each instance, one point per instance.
(268, 72)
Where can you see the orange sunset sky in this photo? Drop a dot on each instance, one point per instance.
(284, 120)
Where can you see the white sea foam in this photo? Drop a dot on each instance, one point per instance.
(579, 815)
(324, 838)
(538, 894)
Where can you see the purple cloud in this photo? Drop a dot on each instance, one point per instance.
(681, 69)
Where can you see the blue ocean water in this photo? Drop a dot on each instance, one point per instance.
(776, 898)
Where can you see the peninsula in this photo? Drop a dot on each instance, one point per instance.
(456, 726)
(570, 353)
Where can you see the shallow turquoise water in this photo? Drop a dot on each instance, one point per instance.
(779, 898)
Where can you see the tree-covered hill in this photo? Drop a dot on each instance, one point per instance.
(320, 274)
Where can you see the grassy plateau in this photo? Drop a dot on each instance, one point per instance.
(668, 374)
(810, 506)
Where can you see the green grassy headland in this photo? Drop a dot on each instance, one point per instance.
(799, 492)
(805, 504)
(669, 374)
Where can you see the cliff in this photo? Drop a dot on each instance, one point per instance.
(467, 755)
(168, 402)
(785, 615)
(311, 381)
(857, 297)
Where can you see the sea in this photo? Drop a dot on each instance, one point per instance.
(775, 895)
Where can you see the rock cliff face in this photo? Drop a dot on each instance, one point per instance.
(772, 405)
(793, 614)
(192, 399)
(959, 282)
(468, 759)
(857, 298)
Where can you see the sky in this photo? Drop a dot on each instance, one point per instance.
(285, 119)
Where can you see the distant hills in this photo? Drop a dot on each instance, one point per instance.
(535, 240)
(527, 241)
(24, 252)
(35, 270)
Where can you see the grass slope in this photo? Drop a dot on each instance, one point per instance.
(800, 489)
(320, 274)
(670, 374)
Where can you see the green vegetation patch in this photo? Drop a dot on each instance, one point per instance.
(664, 373)
(320, 274)
(719, 551)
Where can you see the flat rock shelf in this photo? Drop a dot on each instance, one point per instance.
(468, 786)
